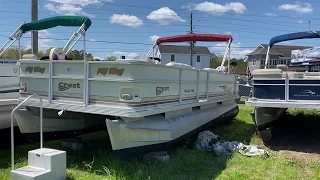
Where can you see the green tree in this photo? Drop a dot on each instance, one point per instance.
(216, 61)
(111, 58)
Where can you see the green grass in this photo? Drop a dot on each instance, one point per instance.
(96, 160)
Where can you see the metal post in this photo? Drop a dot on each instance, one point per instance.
(19, 42)
(191, 43)
(85, 78)
(229, 58)
(34, 17)
(267, 58)
(225, 55)
(12, 130)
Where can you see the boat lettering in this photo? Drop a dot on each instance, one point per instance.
(36, 69)
(65, 86)
(189, 90)
(111, 71)
(160, 90)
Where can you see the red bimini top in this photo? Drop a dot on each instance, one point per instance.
(195, 37)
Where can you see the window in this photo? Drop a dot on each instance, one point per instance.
(172, 57)
(253, 62)
(273, 62)
(281, 61)
(263, 62)
(198, 58)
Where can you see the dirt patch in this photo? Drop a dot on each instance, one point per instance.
(297, 138)
(301, 157)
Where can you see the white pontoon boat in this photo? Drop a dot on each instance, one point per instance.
(276, 90)
(144, 105)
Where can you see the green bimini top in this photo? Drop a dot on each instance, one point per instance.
(56, 21)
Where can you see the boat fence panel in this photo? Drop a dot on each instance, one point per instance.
(134, 83)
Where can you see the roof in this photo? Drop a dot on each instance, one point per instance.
(195, 37)
(280, 50)
(174, 49)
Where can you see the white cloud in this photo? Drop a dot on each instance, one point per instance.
(299, 8)
(270, 14)
(228, 32)
(236, 50)
(44, 40)
(92, 40)
(67, 9)
(300, 22)
(71, 7)
(128, 55)
(126, 20)
(153, 38)
(219, 9)
(97, 57)
(164, 16)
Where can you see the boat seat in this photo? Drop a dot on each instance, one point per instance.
(29, 57)
(58, 54)
(140, 59)
(223, 69)
(312, 76)
(282, 67)
(211, 69)
(180, 65)
(291, 74)
(267, 73)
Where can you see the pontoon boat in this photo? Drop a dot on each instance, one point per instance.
(143, 104)
(276, 90)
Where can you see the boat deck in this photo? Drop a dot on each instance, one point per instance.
(283, 104)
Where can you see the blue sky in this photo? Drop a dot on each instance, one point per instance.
(249, 22)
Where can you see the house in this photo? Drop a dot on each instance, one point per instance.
(279, 54)
(181, 54)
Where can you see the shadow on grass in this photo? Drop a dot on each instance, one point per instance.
(185, 162)
(297, 131)
(97, 161)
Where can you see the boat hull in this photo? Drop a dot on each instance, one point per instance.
(154, 133)
(265, 117)
(54, 127)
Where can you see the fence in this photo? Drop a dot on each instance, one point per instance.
(245, 88)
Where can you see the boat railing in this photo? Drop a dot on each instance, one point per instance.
(90, 71)
(12, 127)
(295, 86)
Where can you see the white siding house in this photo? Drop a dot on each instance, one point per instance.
(181, 54)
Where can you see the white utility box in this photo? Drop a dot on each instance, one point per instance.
(43, 164)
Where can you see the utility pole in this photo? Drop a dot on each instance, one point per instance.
(34, 36)
(309, 26)
(191, 43)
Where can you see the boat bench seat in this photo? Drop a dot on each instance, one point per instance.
(267, 73)
(29, 57)
(143, 59)
(180, 65)
(312, 76)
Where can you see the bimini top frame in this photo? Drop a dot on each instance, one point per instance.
(82, 21)
(193, 38)
(288, 37)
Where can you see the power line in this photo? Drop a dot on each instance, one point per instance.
(157, 7)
